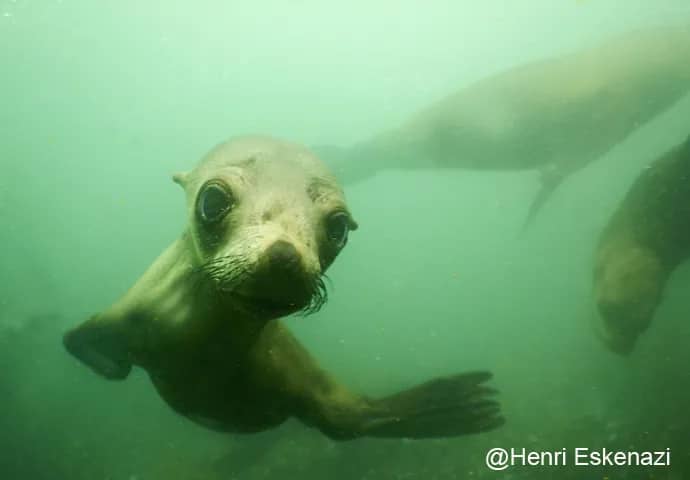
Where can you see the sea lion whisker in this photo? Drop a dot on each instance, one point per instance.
(319, 297)
(232, 275)
(328, 280)
(224, 270)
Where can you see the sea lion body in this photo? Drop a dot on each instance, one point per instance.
(555, 115)
(265, 220)
(647, 237)
(566, 111)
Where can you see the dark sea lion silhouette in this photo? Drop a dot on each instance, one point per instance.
(647, 237)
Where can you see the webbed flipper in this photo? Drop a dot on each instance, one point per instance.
(442, 407)
(100, 343)
(550, 178)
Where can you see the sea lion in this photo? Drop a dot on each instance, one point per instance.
(265, 221)
(647, 237)
(555, 115)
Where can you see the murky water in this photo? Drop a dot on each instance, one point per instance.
(103, 101)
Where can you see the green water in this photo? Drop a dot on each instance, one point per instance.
(100, 102)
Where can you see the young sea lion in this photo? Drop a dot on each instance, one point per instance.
(266, 219)
(645, 240)
(555, 115)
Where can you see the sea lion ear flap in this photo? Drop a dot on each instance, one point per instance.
(180, 178)
(353, 225)
(351, 222)
(100, 344)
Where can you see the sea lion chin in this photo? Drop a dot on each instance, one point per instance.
(265, 220)
(628, 291)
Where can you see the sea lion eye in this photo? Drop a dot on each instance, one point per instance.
(213, 203)
(337, 228)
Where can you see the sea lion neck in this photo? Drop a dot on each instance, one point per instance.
(176, 296)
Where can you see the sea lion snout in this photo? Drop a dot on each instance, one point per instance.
(623, 323)
(627, 294)
(632, 315)
(268, 271)
(282, 279)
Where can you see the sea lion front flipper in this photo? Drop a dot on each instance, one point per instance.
(442, 407)
(100, 344)
(550, 178)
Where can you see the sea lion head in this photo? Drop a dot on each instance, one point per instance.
(628, 285)
(266, 220)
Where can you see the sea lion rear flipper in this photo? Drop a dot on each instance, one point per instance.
(550, 178)
(443, 407)
(100, 345)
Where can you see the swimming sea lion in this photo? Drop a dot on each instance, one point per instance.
(266, 219)
(646, 239)
(554, 115)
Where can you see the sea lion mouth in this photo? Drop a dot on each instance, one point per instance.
(311, 303)
(617, 332)
(241, 286)
(304, 302)
(623, 322)
(267, 305)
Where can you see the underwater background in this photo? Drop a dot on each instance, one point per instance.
(100, 102)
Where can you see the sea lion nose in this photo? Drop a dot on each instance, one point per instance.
(283, 257)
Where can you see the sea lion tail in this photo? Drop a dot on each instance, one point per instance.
(550, 179)
(443, 407)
